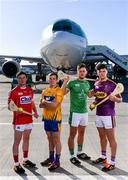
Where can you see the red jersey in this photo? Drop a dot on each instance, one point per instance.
(22, 97)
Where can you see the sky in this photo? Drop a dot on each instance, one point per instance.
(105, 22)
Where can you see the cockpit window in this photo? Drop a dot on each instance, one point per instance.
(57, 28)
(69, 26)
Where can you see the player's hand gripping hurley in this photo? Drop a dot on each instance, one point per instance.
(119, 89)
(13, 107)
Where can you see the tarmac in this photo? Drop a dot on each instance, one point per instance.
(39, 146)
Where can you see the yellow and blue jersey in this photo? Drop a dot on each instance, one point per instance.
(51, 94)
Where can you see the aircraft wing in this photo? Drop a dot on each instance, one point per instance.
(23, 58)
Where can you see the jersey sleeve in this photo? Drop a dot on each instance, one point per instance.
(88, 86)
(60, 95)
(11, 96)
(69, 85)
(32, 92)
(42, 95)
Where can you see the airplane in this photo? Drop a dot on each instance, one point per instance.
(63, 46)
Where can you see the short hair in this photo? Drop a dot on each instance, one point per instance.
(20, 73)
(101, 66)
(54, 74)
(82, 65)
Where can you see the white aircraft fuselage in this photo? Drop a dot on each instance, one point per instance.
(63, 48)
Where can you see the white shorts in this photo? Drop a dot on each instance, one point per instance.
(106, 122)
(23, 127)
(77, 119)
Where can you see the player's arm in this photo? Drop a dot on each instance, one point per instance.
(57, 101)
(91, 93)
(117, 98)
(48, 104)
(64, 85)
(42, 101)
(52, 104)
(11, 96)
(34, 110)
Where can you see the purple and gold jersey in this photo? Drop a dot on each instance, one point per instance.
(102, 90)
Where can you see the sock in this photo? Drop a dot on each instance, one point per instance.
(80, 146)
(16, 159)
(51, 155)
(25, 155)
(112, 161)
(71, 151)
(103, 154)
(57, 158)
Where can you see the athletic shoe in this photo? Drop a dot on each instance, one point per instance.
(100, 160)
(29, 164)
(83, 156)
(75, 161)
(18, 169)
(108, 167)
(47, 162)
(54, 166)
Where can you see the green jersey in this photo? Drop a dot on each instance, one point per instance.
(78, 95)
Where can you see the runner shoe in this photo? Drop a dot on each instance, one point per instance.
(100, 160)
(47, 162)
(108, 167)
(75, 161)
(83, 156)
(29, 164)
(54, 166)
(18, 169)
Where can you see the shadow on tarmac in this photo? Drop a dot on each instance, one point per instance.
(33, 171)
(74, 177)
(116, 172)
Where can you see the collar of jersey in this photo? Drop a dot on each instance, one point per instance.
(103, 80)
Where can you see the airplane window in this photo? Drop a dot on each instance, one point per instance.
(67, 28)
(57, 28)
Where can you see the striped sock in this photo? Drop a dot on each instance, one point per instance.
(16, 159)
(80, 146)
(71, 151)
(25, 155)
(103, 154)
(112, 161)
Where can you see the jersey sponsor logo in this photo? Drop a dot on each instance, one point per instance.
(49, 98)
(101, 94)
(77, 85)
(25, 99)
(20, 93)
(81, 94)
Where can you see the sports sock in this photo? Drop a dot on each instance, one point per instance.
(71, 151)
(16, 159)
(112, 161)
(103, 154)
(79, 150)
(25, 155)
(51, 155)
(57, 160)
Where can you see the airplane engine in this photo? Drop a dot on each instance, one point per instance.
(10, 68)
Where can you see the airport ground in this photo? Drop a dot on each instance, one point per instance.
(39, 147)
